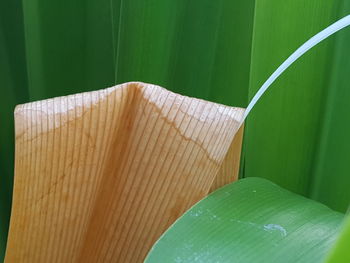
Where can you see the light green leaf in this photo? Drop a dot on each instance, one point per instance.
(252, 220)
(340, 253)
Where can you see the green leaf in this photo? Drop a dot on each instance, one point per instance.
(69, 47)
(198, 48)
(340, 252)
(13, 87)
(283, 131)
(252, 220)
(331, 180)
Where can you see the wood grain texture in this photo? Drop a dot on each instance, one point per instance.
(99, 176)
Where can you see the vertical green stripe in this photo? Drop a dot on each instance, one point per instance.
(13, 87)
(331, 173)
(69, 46)
(284, 128)
(198, 48)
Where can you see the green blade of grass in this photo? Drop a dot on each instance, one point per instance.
(252, 220)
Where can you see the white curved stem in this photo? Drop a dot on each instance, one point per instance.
(325, 33)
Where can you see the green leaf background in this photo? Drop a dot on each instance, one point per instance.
(298, 134)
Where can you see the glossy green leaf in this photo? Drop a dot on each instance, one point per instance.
(252, 220)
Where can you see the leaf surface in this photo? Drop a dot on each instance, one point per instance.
(251, 220)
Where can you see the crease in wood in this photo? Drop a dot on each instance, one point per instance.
(99, 176)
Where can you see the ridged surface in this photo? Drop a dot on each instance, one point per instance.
(229, 169)
(99, 176)
(251, 220)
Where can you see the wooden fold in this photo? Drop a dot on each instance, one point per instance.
(99, 176)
